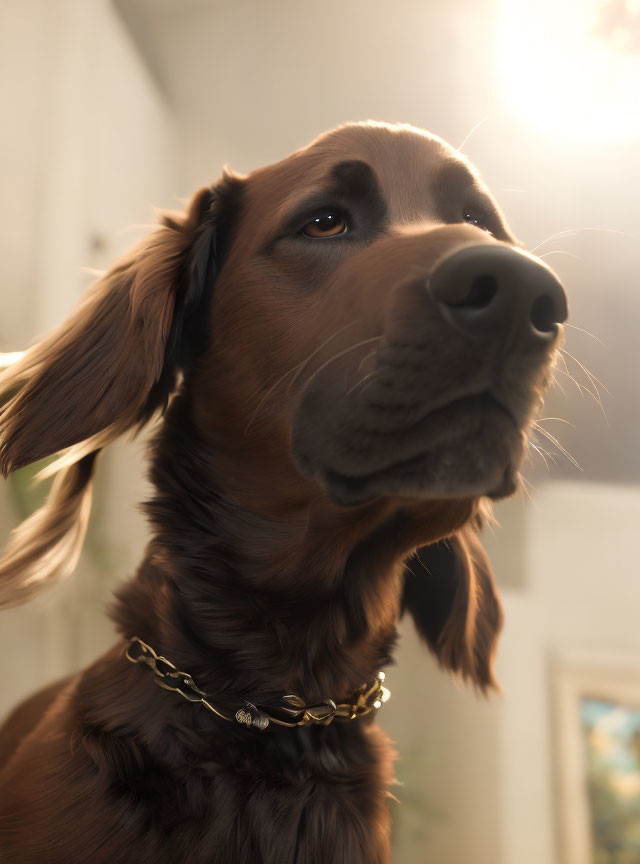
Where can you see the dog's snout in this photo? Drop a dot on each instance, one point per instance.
(489, 291)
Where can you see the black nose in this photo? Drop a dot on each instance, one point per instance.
(490, 291)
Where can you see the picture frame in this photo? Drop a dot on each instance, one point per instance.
(596, 755)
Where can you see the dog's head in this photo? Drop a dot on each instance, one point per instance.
(354, 325)
(398, 333)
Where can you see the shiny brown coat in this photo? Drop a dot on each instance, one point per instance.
(252, 337)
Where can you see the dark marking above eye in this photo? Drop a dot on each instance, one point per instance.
(453, 188)
(454, 177)
(351, 189)
(354, 177)
(461, 197)
(356, 183)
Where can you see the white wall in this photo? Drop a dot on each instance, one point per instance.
(23, 59)
(448, 746)
(90, 152)
(584, 593)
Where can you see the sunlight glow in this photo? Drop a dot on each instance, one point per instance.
(572, 67)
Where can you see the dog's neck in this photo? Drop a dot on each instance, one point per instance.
(304, 603)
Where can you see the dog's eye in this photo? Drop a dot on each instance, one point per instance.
(476, 219)
(327, 225)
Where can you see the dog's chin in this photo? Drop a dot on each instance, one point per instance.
(422, 478)
(480, 457)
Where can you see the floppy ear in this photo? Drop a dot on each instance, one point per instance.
(451, 595)
(107, 369)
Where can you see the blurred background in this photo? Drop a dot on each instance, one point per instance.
(113, 107)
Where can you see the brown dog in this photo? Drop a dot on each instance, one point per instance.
(351, 346)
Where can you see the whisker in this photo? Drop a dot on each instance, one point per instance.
(297, 367)
(529, 456)
(557, 383)
(524, 484)
(368, 384)
(592, 379)
(590, 375)
(568, 373)
(571, 377)
(573, 327)
(472, 131)
(544, 452)
(313, 354)
(580, 387)
(365, 358)
(548, 454)
(555, 441)
(265, 397)
(361, 381)
(559, 419)
(572, 232)
(541, 452)
(561, 252)
(341, 354)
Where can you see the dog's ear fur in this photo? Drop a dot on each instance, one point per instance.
(451, 595)
(107, 369)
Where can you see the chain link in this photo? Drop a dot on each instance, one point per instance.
(367, 698)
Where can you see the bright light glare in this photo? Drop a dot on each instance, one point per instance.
(573, 66)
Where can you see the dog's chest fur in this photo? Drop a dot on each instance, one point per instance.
(295, 796)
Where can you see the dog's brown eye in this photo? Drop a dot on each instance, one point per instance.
(327, 225)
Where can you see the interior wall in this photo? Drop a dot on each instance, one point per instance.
(23, 57)
(448, 808)
(90, 153)
(582, 571)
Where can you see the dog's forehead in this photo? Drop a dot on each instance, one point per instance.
(409, 165)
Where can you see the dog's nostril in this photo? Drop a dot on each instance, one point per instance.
(543, 314)
(483, 289)
(479, 295)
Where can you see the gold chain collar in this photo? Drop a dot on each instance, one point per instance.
(367, 698)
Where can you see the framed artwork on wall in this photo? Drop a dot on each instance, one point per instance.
(596, 735)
